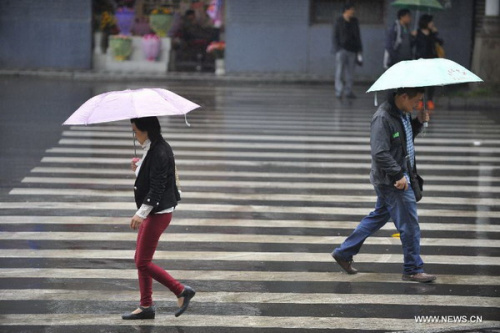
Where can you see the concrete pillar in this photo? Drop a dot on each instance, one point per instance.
(487, 44)
(492, 8)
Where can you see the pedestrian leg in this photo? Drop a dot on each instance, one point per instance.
(147, 241)
(368, 225)
(339, 69)
(403, 209)
(350, 65)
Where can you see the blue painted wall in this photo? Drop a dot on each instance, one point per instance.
(275, 36)
(45, 34)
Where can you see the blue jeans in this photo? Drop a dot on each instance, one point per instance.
(345, 62)
(402, 208)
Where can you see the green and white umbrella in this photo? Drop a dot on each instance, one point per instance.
(418, 4)
(423, 73)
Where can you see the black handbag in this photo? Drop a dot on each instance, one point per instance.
(417, 183)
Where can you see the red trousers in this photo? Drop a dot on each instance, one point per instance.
(147, 240)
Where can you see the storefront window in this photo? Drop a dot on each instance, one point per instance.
(326, 11)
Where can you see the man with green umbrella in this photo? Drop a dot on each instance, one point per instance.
(399, 40)
(392, 134)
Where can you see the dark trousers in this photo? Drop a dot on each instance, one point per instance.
(147, 241)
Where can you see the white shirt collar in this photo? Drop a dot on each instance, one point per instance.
(146, 145)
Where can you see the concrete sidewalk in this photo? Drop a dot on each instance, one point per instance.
(167, 76)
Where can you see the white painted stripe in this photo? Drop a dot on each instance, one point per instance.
(130, 206)
(171, 133)
(257, 184)
(253, 297)
(297, 164)
(237, 238)
(288, 154)
(245, 256)
(234, 137)
(250, 321)
(356, 147)
(362, 123)
(322, 114)
(297, 145)
(227, 275)
(253, 223)
(250, 197)
(267, 174)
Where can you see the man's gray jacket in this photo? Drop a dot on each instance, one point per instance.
(388, 144)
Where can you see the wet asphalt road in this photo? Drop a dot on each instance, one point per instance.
(274, 177)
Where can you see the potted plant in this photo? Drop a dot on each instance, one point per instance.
(160, 21)
(151, 46)
(217, 50)
(121, 46)
(125, 19)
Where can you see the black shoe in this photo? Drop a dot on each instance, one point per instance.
(346, 265)
(187, 293)
(351, 96)
(147, 313)
(419, 277)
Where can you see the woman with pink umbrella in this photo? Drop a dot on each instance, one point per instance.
(156, 196)
(155, 190)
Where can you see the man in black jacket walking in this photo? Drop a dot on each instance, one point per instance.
(392, 133)
(347, 47)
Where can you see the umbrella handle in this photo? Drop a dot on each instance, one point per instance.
(186, 120)
(426, 124)
(133, 140)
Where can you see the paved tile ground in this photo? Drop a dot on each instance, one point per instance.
(274, 176)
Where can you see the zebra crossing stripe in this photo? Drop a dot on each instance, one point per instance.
(248, 174)
(250, 197)
(255, 223)
(251, 163)
(239, 238)
(313, 142)
(257, 184)
(309, 155)
(252, 297)
(237, 321)
(129, 206)
(240, 275)
(244, 256)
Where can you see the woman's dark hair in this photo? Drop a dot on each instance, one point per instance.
(150, 125)
(411, 92)
(403, 12)
(423, 22)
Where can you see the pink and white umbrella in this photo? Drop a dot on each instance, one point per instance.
(128, 104)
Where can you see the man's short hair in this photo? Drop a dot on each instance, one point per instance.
(348, 5)
(411, 92)
(403, 12)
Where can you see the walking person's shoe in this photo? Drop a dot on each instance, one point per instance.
(351, 96)
(146, 313)
(346, 265)
(186, 294)
(419, 277)
(430, 105)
